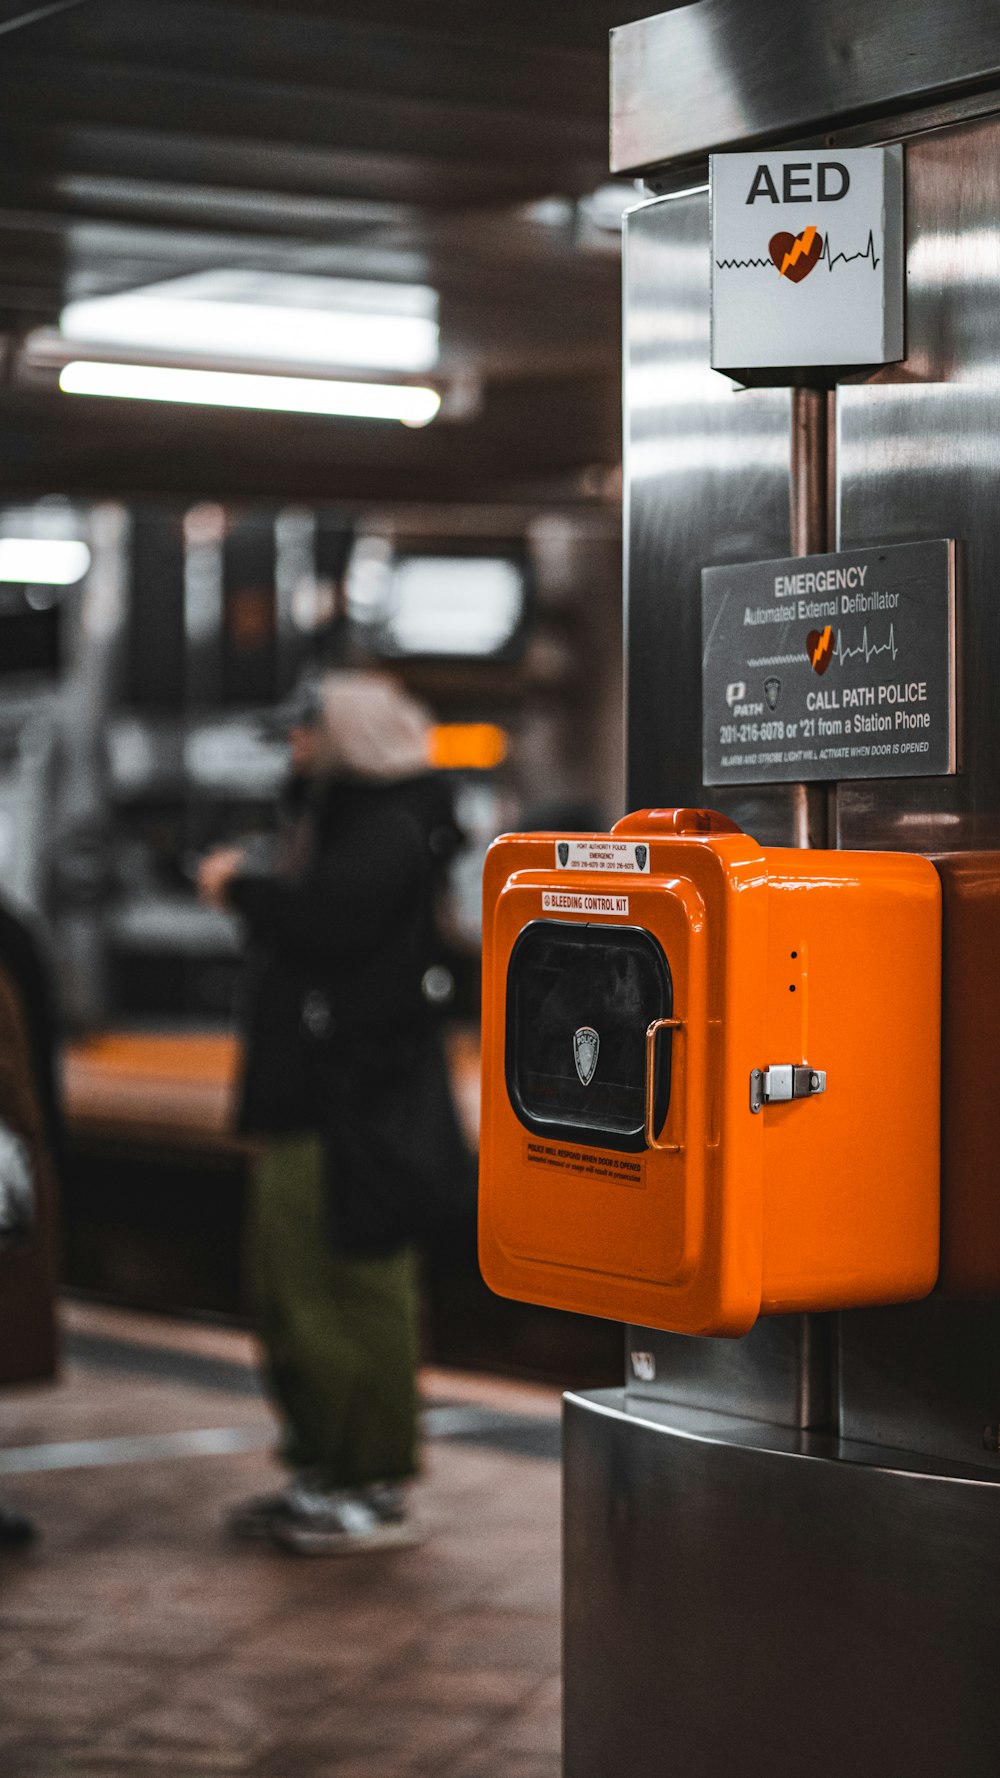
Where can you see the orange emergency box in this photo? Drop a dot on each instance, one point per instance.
(710, 1074)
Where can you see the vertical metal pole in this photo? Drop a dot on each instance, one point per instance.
(811, 515)
(810, 503)
(832, 542)
(809, 491)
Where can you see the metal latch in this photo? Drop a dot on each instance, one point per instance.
(783, 1081)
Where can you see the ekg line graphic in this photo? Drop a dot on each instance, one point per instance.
(832, 259)
(868, 649)
(846, 258)
(777, 660)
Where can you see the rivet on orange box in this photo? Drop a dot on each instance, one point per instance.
(710, 1074)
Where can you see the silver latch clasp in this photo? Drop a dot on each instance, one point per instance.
(784, 1081)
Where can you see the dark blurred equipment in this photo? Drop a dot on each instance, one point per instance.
(157, 1108)
(31, 1148)
(248, 606)
(154, 676)
(440, 600)
(30, 633)
(222, 613)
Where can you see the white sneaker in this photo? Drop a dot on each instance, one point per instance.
(252, 1520)
(338, 1523)
(387, 1501)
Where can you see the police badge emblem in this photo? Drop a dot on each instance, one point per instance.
(772, 692)
(586, 1048)
(640, 856)
(562, 852)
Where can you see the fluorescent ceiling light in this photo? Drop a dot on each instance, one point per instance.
(43, 561)
(413, 405)
(267, 318)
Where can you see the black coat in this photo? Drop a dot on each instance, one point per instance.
(23, 956)
(339, 1036)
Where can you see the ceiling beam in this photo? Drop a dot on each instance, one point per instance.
(252, 43)
(312, 114)
(45, 150)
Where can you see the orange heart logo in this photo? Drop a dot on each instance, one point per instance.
(795, 255)
(819, 647)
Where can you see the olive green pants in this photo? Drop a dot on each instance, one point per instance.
(339, 1332)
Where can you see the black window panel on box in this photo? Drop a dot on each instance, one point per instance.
(248, 570)
(156, 611)
(566, 978)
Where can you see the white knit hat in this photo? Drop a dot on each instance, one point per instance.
(371, 728)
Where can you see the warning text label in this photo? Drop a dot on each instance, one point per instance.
(623, 1169)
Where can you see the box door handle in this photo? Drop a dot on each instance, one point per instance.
(652, 1034)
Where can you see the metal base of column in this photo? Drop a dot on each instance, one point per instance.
(746, 1597)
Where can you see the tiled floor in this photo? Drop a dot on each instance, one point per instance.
(134, 1640)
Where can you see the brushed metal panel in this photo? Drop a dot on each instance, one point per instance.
(720, 73)
(780, 1372)
(924, 1374)
(708, 480)
(742, 1600)
(918, 456)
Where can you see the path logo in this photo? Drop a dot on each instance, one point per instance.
(795, 255)
(819, 647)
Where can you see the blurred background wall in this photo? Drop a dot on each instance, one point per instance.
(349, 206)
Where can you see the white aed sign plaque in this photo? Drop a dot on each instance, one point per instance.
(807, 259)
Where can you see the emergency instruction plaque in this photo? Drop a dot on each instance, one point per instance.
(835, 666)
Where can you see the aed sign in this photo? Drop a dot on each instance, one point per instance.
(807, 259)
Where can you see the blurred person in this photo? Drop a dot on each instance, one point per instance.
(345, 1076)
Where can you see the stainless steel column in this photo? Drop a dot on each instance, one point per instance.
(919, 456)
(782, 1553)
